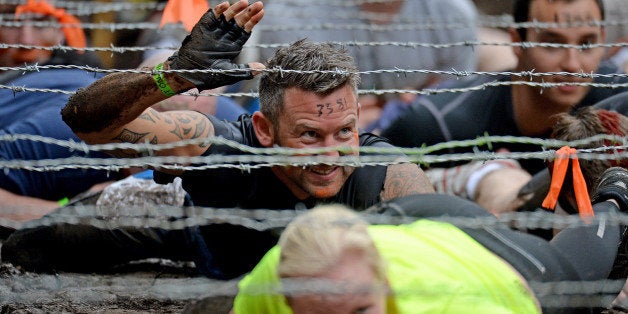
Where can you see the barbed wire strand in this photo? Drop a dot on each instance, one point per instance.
(557, 294)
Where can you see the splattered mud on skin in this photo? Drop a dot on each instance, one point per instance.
(92, 109)
(85, 111)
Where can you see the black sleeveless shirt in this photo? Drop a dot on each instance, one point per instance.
(260, 188)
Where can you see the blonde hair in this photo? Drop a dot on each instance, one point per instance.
(315, 241)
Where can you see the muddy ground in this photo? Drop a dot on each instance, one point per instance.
(147, 287)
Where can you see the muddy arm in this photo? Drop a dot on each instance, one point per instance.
(116, 107)
(98, 112)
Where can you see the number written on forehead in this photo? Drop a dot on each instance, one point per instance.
(329, 108)
(572, 18)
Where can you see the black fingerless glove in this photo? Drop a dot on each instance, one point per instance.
(212, 44)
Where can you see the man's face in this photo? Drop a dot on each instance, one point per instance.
(355, 274)
(547, 59)
(28, 35)
(311, 121)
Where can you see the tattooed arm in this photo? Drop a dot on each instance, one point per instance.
(116, 108)
(405, 179)
(157, 127)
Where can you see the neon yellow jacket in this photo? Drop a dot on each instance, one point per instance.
(432, 267)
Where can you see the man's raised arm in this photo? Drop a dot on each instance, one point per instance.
(116, 108)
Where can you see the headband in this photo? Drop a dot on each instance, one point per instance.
(70, 25)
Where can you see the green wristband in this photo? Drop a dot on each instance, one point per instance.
(63, 201)
(161, 82)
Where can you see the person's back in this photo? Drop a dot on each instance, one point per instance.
(35, 111)
(52, 185)
(433, 263)
(428, 267)
(17, 105)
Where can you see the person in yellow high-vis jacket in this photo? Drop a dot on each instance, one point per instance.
(429, 266)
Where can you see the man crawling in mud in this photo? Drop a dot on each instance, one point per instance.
(302, 110)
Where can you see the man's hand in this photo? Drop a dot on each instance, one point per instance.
(498, 190)
(215, 41)
(14, 207)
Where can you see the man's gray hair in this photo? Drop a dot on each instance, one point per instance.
(305, 56)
